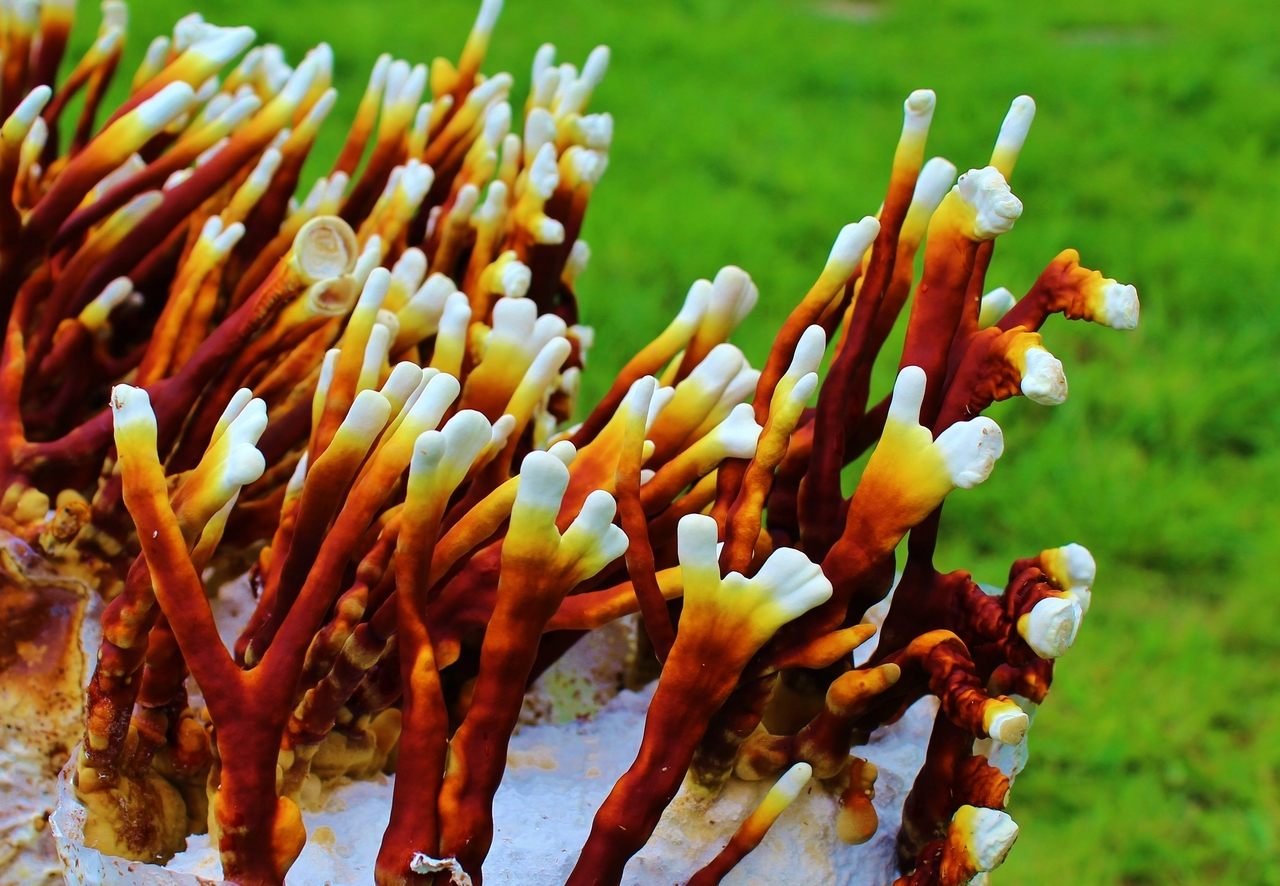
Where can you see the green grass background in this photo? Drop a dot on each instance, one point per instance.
(749, 131)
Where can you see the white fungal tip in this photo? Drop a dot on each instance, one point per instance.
(497, 123)
(908, 395)
(851, 244)
(739, 433)
(488, 15)
(565, 451)
(995, 304)
(544, 174)
(543, 481)
(918, 114)
(970, 450)
(596, 66)
(1043, 380)
(160, 110)
(933, 183)
(1120, 306)
(31, 106)
(1009, 725)
(1051, 626)
(787, 788)
(994, 205)
(131, 408)
(1016, 125)
(695, 303)
(989, 835)
(809, 351)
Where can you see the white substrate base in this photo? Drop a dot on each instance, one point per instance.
(559, 770)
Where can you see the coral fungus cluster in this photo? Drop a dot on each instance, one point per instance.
(360, 396)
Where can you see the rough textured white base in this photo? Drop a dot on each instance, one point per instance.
(41, 717)
(557, 776)
(560, 767)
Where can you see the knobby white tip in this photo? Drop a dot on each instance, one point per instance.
(809, 351)
(739, 433)
(579, 257)
(465, 435)
(1009, 725)
(596, 131)
(794, 583)
(497, 123)
(597, 64)
(641, 395)
(375, 289)
(410, 268)
(695, 304)
(543, 59)
(397, 77)
(544, 174)
(1016, 125)
(295, 88)
(970, 450)
(488, 15)
(547, 231)
(31, 106)
(1120, 306)
(227, 240)
(933, 183)
(496, 86)
(226, 44)
(514, 319)
(401, 383)
(502, 429)
(565, 451)
(995, 304)
(239, 110)
(994, 205)
(804, 388)
(718, 368)
(162, 108)
(908, 396)
(435, 400)
(991, 834)
(378, 76)
(131, 408)
(465, 203)
(661, 400)
(1051, 626)
(851, 244)
(539, 129)
(696, 537)
(792, 783)
(1043, 380)
(97, 312)
(1082, 569)
(918, 112)
(543, 481)
(368, 414)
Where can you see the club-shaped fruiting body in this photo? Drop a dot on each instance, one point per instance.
(912, 472)
(744, 612)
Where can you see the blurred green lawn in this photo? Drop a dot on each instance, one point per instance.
(748, 132)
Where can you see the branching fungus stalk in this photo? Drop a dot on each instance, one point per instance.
(361, 396)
